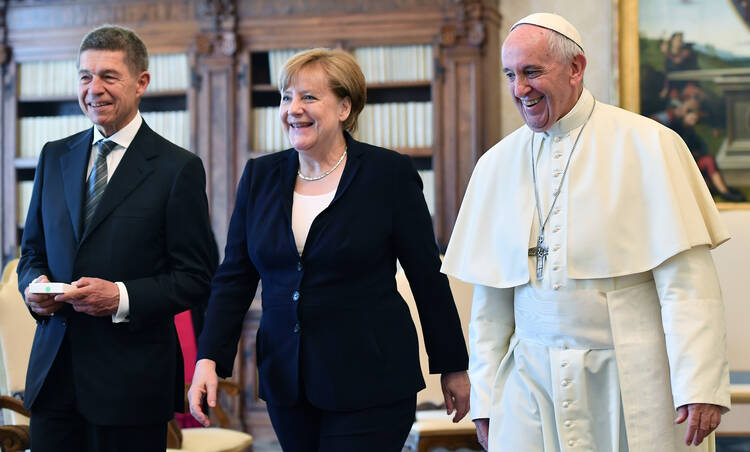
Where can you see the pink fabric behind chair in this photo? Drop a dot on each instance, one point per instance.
(184, 324)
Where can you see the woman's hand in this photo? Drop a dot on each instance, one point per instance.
(205, 382)
(456, 390)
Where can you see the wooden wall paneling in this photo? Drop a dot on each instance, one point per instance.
(216, 48)
(243, 104)
(298, 32)
(459, 131)
(330, 7)
(7, 168)
(217, 144)
(467, 117)
(492, 80)
(192, 101)
(53, 30)
(9, 226)
(438, 141)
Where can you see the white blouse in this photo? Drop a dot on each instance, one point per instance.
(304, 210)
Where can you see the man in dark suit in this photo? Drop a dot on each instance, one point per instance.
(121, 214)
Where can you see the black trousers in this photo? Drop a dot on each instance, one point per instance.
(306, 428)
(58, 426)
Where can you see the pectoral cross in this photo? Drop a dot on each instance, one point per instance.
(540, 251)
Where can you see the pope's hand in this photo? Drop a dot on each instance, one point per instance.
(702, 419)
(483, 428)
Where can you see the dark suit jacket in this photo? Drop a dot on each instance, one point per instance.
(151, 231)
(332, 318)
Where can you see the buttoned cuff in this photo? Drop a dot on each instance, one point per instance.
(123, 310)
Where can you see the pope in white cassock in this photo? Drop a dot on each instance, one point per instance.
(597, 322)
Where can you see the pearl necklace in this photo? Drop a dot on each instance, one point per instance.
(314, 178)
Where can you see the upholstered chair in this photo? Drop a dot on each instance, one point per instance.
(16, 335)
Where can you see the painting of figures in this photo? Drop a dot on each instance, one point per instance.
(695, 79)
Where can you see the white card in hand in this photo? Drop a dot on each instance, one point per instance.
(49, 287)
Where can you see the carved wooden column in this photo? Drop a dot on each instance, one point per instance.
(465, 102)
(8, 199)
(213, 110)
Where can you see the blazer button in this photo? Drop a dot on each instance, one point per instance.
(297, 328)
(299, 266)
(295, 295)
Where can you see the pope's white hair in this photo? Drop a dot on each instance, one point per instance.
(563, 47)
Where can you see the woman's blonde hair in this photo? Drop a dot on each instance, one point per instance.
(345, 78)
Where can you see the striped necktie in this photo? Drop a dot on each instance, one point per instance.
(97, 181)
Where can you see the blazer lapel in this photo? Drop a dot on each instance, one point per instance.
(74, 164)
(288, 178)
(133, 169)
(354, 152)
(353, 156)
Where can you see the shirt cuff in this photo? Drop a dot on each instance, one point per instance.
(123, 310)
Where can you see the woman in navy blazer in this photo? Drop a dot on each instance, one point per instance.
(322, 225)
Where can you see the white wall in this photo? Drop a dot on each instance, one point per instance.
(595, 20)
(732, 263)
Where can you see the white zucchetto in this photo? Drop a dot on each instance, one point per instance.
(552, 22)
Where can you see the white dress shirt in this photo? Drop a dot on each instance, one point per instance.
(122, 138)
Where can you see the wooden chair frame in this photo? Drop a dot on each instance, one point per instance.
(14, 437)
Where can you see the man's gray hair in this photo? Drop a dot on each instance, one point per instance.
(562, 47)
(116, 37)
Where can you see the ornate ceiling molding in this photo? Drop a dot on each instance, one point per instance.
(468, 27)
(218, 28)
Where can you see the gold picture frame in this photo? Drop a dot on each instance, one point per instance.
(628, 55)
(629, 65)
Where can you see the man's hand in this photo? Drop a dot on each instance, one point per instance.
(702, 419)
(93, 296)
(456, 390)
(483, 429)
(205, 382)
(42, 304)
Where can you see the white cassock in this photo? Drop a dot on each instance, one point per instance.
(627, 322)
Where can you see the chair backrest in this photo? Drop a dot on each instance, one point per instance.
(462, 294)
(16, 335)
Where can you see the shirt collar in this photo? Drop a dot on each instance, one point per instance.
(575, 117)
(124, 136)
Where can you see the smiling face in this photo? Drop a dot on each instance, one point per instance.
(108, 91)
(312, 115)
(543, 87)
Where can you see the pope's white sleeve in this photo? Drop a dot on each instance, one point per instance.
(491, 326)
(693, 318)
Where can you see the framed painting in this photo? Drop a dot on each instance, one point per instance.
(686, 64)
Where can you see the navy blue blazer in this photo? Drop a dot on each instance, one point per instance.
(151, 231)
(332, 318)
